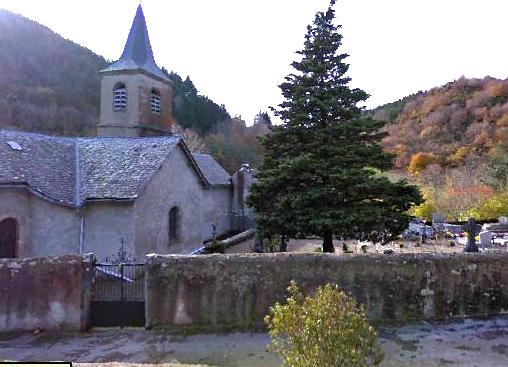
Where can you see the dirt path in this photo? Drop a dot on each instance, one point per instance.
(481, 343)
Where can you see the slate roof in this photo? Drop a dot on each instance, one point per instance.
(46, 164)
(70, 171)
(137, 54)
(115, 168)
(213, 171)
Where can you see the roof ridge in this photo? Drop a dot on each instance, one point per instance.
(77, 138)
(24, 132)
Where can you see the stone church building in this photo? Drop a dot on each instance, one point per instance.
(134, 185)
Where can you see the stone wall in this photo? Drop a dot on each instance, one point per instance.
(235, 291)
(52, 293)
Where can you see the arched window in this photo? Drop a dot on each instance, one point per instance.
(120, 97)
(174, 225)
(155, 102)
(8, 237)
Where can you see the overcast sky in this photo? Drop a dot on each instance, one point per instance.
(238, 51)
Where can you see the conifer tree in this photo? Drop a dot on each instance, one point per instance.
(322, 169)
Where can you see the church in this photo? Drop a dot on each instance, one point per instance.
(134, 189)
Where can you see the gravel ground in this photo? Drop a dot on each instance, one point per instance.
(480, 343)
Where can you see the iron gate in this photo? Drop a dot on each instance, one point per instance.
(118, 297)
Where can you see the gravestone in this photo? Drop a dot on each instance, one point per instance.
(485, 238)
(438, 218)
(471, 229)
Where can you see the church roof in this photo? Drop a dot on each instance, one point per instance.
(137, 54)
(213, 171)
(70, 171)
(43, 163)
(116, 168)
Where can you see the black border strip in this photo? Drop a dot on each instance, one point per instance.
(13, 364)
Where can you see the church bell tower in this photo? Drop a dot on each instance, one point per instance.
(136, 95)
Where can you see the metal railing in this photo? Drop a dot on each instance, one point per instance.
(122, 282)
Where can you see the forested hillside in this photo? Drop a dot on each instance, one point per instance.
(453, 141)
(47, 83)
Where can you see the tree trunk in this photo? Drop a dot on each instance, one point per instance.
(258, 242)
(283, 243)
(328, 242)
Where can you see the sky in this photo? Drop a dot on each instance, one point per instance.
(237, 52)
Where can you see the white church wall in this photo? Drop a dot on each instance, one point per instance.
(216, 210)
(175, 184)
(45, 228)
(106, 227)
(242, 215)
(15, 203)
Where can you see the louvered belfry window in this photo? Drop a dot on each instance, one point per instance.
(120, 97)
(155, 102)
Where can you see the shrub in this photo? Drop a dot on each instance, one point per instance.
(493, 207)
(327, 330)
(425, 209)
(420, 161)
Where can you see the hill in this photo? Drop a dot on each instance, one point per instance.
(453, 141)
(460, 121)
(47, 83)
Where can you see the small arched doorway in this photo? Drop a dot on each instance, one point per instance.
(8, 237)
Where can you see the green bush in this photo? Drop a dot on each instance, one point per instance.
(329, 329)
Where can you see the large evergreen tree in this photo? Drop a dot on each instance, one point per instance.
(322, 169)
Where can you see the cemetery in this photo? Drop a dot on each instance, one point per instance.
(419, 237)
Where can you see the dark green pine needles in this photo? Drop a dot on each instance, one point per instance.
(322, 170)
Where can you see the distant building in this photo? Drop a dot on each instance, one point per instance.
(135, 185)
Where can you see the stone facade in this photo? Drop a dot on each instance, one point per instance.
(214, 292)
(136, 120)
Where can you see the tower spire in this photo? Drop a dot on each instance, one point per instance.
(137, 53)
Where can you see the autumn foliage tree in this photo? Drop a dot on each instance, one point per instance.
(320, 173)
(420, 161)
